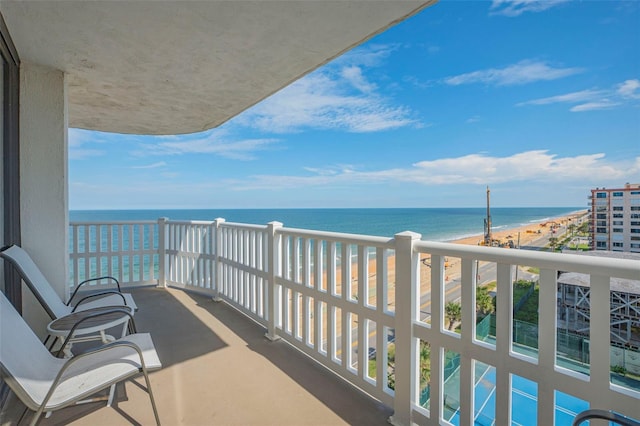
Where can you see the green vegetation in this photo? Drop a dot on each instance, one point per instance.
(484, 302)
(619, 370)
(534, 270)
(529, 311)
(425, 365)
(485, 305)
(520, 288)
(490, 286)
(453, 313)
(583, 229)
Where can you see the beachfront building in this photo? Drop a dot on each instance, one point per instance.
(615, 218)
(175, 67)
(574, 306)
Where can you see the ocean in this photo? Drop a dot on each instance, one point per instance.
(435, 224)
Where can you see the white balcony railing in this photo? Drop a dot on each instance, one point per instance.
(362, 305)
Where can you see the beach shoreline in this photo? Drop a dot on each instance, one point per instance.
(534, 235)
(528, 234)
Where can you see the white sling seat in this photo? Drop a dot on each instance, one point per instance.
(46, 295)
(46, 383)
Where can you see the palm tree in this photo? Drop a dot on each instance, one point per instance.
(453, 312)
(484, 301)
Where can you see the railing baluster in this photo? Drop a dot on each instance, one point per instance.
(468, 331)
(547, 302)
(406, 365)
(600, 326)
(504, 327)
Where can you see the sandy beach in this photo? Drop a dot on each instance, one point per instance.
(530, 235)
(526, 235)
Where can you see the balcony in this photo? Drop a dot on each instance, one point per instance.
(218, 368)
(359, 328)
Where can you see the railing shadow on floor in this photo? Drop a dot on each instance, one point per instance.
(349, 403)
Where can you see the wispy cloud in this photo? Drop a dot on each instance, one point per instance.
(573, 97)
(629, 89)
(473, 119)
(523, 72)
(372, 55)
(353, 76)
(217, 142)
(594, 99)
(537, 165)
(77, 138)
(151, 166)
(338, 96)
(518, 7)
(593, 106)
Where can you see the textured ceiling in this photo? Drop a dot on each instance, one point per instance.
(171, 67)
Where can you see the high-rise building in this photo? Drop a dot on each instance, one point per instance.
(615, 218)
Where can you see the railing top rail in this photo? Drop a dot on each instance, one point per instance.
(619, 268)
(370, 240)
(247, 226)
(190, 222)
(112, 222)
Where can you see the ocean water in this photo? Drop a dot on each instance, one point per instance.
(434, 224)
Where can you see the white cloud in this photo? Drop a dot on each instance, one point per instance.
(372, 55)
(481, 169)
(573, 97)
(473, 119)
(593, 106)
(77, 138)
(151, 166)
(324, 100)
(593, 99)
(518, 7)
(213, 142)
(353, 75)
(523, 72)
(629, 89)
(339, 96)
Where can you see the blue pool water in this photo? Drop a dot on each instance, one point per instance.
(524, 401)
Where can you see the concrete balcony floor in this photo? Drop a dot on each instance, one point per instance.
(219, 369)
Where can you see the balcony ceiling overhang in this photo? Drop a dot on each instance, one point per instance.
(173, 67)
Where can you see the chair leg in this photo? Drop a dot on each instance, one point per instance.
(36, 416)
(112, 393)
(22, 415)
(153, 402)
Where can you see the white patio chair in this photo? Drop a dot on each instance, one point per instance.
(45, 383)
(49, 299)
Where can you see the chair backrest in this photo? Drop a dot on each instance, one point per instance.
(36, 281)
(25, 364)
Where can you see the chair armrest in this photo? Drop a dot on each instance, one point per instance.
(102, 293)
(132, 324)
(106, 277)
(85, 361)
(604, 415)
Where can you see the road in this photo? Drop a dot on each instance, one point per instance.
(487, 273)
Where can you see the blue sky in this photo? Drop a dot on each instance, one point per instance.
(538, 99)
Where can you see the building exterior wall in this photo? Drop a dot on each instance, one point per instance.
(43, 177)
(615, 218)
(574, 312)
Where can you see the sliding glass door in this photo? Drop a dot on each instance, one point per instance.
(10, 166)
